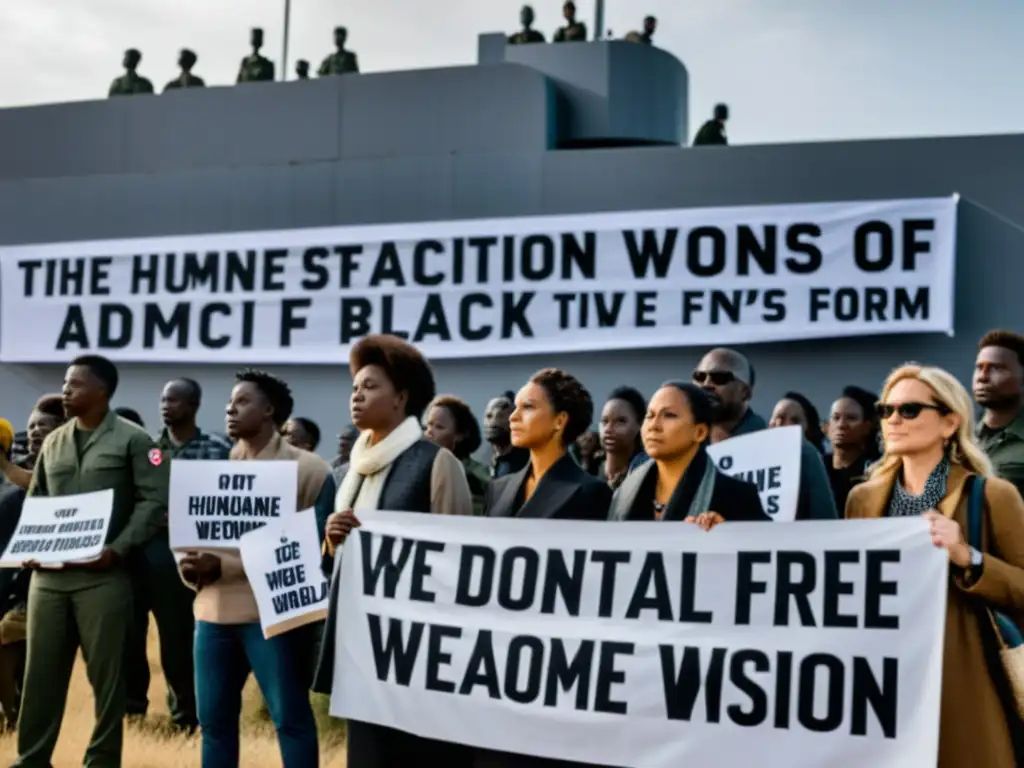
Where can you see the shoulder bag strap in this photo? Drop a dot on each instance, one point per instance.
(1007, 631)
(975, 510)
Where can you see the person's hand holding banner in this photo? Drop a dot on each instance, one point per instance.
(340, 525)
(200, 569)
(706, 520)
(107, 560)
(948, 535)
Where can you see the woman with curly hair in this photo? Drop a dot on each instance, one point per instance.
(391, 467)
(451, 424)
(552, 410)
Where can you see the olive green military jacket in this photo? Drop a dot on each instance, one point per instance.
(130, 84)
(1005, 449)
(117, 455)
(339, 64)
(256, 69)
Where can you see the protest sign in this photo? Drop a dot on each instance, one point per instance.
(457, 289)
(53, 530)
(212, 504)
(645, 645)
(770, 459)
(282, 562)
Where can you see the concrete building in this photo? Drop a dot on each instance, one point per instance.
(531, 130)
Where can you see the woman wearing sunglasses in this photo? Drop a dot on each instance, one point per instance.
(930, 455)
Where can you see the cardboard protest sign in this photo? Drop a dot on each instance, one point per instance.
(630, 644)
(53, 530)
(770, 459)
(213, 504)
(282, 563)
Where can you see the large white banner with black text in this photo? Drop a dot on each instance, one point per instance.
(625, 280)
(648, 644)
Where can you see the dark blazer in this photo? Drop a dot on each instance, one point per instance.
(735, 500)
(565, 492)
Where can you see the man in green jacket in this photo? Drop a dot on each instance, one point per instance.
(88, 605)
(998, 385)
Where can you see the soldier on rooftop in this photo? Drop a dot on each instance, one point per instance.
(340, 62)
(186, 60)
(256, 68)
(527, 34)
(573, 31)
(130, 83)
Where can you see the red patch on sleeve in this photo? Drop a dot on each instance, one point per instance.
(156, 458)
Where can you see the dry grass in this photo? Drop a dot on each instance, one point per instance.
(152, 746)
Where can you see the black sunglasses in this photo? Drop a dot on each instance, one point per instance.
(718, 378)
(907, 410)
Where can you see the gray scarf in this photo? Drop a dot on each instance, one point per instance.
(625, 495)
(904, 504)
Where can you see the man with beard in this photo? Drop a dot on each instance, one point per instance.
(505, 458)
(157, 587)
(88, 605)
(998, 379)
(728, 378)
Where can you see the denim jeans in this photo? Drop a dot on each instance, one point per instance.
(224, 656)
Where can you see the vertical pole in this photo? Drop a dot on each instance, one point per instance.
(598, 19)
(284, 52)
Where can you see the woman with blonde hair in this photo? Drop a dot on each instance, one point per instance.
(930, 462)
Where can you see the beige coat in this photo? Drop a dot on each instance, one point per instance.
(230, 599)
(974, 725)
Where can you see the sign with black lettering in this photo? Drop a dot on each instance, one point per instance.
(617, 644)
(456, 289)
(282, 563)
(770, 459)
(54, 530)
(212, 504)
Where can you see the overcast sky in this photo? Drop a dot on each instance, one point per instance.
(789, 69)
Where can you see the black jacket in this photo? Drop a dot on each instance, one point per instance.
(565, 492)
(733, 499)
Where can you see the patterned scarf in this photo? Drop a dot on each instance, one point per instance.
(904, 504)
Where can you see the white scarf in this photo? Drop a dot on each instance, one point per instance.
(369, 466)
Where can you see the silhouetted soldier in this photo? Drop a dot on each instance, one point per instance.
(573, 31)
(256, 68)
(130, 82)
(527, 34)
(712, 133)
(302, 69)
(650, 24)
(186, 60)
(340, 62)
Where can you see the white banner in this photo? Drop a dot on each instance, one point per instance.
(770, 459)
(212, 504)
(282, 562)
(810, 644)
(53, 530)
(628, 280)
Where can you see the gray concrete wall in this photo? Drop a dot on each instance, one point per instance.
(265, 160)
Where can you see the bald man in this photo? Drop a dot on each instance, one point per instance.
(728, 379)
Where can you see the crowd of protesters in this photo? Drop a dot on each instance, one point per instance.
(912, 448)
